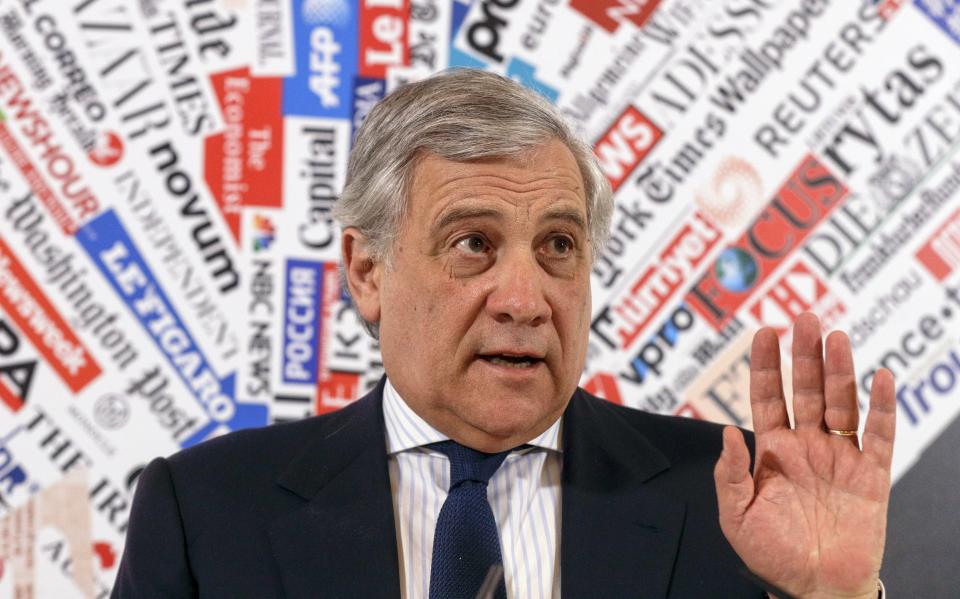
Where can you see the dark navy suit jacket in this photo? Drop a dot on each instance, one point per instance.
(304, 510)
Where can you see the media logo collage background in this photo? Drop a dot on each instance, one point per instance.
(168, 263)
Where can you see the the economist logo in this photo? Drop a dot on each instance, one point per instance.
(625, 144)
(808, 196)
(610, 14)
(244, 164)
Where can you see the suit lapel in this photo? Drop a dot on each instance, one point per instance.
(342, 541)
(619, 538)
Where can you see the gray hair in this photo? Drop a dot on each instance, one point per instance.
(461, 115)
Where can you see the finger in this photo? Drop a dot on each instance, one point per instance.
(807, 372)
(766, 385)
(840, 387)
(733, 480)
(880, 429)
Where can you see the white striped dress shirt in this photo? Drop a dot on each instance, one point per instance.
(524, 494)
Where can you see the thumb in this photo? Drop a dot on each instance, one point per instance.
(734, 483)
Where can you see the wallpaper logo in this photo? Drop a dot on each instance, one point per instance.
(610, 14)
(263, 233)
(108, 150)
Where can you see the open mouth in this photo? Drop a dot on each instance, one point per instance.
(512, 361)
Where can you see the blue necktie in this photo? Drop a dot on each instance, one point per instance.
(466, 544)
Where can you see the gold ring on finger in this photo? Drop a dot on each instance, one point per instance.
(842, 433)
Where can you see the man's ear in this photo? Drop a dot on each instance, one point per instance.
(362, 273)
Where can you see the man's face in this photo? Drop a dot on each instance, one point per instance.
(484, 309)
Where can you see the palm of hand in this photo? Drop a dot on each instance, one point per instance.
(812, 518)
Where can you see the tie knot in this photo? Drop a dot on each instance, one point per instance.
(469, 464)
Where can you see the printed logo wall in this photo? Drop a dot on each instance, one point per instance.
(168, 260)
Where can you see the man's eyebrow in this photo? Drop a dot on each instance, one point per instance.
(460, 213)
(465, 213)
(566, 214)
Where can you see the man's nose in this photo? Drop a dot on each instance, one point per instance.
(519, 295)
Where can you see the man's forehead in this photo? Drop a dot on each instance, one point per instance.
(547, 176)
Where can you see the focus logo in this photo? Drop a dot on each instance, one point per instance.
(805, 199)
(610, 14)
(941, 253)
(621, 323)
(626, 144)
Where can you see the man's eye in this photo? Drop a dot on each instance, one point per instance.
(560, 245)
(473, 244)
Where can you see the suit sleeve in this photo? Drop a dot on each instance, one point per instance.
(155, 562)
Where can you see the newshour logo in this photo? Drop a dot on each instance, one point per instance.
(625, 144)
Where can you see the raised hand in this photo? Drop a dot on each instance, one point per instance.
(811, 520)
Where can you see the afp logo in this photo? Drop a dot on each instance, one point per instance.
(484, 35)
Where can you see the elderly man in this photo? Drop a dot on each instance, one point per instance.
(477, 467)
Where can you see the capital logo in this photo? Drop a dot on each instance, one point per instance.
(610, 14)
(263, 233)
(108, 149)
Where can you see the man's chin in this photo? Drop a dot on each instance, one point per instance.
(506, 423)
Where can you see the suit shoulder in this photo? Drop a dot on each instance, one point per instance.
(251, 453)
(673, 435)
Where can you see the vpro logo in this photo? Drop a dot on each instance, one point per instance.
(325, 33)
(483, 35)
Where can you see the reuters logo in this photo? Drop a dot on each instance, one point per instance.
(108, 149)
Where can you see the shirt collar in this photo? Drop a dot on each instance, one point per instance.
(406, 430)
